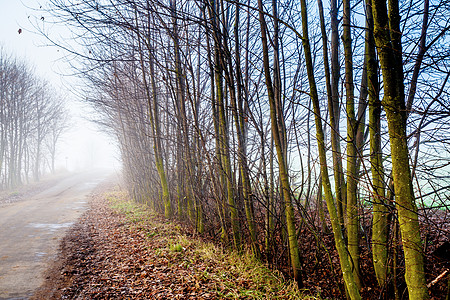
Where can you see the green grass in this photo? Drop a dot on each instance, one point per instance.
(176, 248)
(231, 275)
(13, 194)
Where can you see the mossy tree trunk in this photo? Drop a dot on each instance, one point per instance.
(350, 283)
(277, 137)
(225, 151)
(352, 205)
(222, 123)
(388, 40)
(239, 120)
(215, 116)
(185, 146)
(380, 226)
(154, 119)
(334, 112)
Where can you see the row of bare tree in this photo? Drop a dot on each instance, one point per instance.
(245, 118)
(32, 119)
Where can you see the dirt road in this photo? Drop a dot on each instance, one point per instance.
(30, 231)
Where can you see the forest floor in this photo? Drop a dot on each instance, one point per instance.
(120, 250)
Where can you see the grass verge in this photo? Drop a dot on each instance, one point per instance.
(229, 275)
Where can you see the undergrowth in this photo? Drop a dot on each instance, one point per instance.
(232, 275)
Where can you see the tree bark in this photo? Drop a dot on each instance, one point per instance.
(380, 227)
(284, 177)
(344, 258)
(352, 204)
(387, 38)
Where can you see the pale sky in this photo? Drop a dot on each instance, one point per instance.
(83, 145)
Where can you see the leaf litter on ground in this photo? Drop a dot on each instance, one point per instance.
(123, 250)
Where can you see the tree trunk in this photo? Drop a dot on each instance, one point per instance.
(284, 177)
(344, 258)
(380, 227)
(238, 114)
(387, 38)
(223, 125)
(335, 115)
(352, 204)
(154, 123)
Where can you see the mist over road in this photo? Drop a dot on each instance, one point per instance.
(30, 231)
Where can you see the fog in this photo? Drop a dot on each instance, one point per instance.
(83, 146)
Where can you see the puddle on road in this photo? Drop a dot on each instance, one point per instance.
(49, 226)
(90, 184)
(79, 205)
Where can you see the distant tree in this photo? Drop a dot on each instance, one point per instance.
(28, 114)
(59, 124)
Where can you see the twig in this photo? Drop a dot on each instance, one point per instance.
(437, 278)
